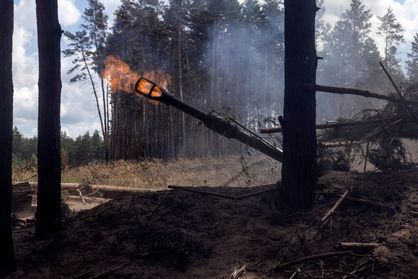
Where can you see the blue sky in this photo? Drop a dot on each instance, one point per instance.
(78, 112)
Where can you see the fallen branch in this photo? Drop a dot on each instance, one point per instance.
(362, 201)
(357, 92)
(81, 196)
(223, 196)
(398, 91)
(311, 257)
(189, 189)
(372, 203)
(359, 245)
(238, 273)
(336, 205)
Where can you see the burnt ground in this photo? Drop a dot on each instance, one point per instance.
(176, 234)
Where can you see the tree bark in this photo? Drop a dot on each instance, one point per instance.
(48, 214)
(7, 258)
(299, 170)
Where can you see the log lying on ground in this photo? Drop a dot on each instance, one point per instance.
(22, 197)
(102, 191)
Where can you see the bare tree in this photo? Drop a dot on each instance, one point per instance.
(299, 169)
(48, 214)
(7, 259)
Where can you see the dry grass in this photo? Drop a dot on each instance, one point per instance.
(155, 174)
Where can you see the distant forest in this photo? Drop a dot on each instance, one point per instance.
(224, 56)
(74, 152)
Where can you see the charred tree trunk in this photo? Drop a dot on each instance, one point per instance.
(48, 214)
(299, 169)
(7, 259)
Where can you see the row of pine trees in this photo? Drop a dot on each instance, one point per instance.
(223, 56)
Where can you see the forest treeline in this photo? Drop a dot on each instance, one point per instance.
(74, 151)
(225, 56)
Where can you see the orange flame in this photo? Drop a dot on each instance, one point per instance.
(122, 78)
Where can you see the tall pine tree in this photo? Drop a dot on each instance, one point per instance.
(391, 32)
(7, 259)
(412, 63)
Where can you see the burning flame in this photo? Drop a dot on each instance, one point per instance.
(122, 78)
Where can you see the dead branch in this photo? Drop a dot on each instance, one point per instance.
(312, 257)
(238, 272)
(324, 126)
(359, 245)
(224, 196)
(189, 189)
(331, 144)
(285, 252)
(336, 205)
(357, 92)
(250, 195)
(81, 196)
(363, 201)
(372, 203)
(398, 91)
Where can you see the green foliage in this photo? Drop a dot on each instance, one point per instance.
(412, 63)
(391, 31)
(81, 150)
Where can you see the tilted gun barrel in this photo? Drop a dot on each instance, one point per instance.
(215, 122)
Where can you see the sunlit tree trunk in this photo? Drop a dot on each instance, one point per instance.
(7, 259)
(48, 214)
(299, 169)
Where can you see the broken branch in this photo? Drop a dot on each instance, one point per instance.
(357, 92)
(311, 257)
(336, 205)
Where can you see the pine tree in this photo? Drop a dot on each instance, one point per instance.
(87, 46)
(391, 32)
(349, 57)
(299, 170)
(7, 258)
(412, 63)
(48, 211)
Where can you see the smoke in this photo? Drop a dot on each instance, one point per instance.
(245, 63)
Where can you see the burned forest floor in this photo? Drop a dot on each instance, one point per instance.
(176, 234)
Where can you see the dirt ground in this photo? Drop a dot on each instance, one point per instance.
(177, 234)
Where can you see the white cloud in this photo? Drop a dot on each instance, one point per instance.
(68, 13)
(77, 113)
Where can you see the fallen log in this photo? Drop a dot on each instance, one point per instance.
(357, 92)
(97, 190)
(328, 125)
(22, 197)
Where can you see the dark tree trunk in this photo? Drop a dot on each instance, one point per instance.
(7, 259)
(299, 169)
(48, 214)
